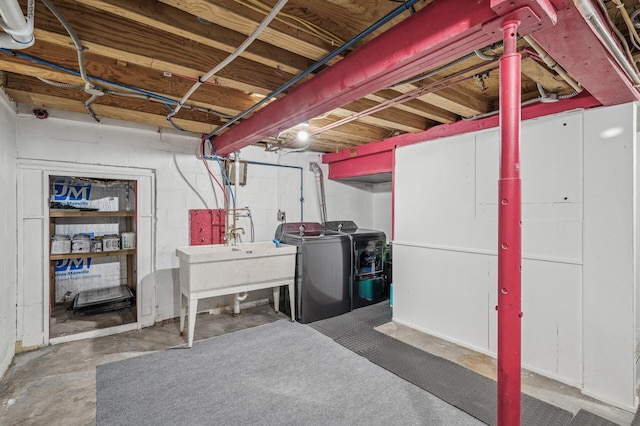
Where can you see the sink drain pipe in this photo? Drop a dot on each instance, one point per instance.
(322, 200)
(237, 298)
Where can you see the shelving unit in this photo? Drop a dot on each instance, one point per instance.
(62, 321)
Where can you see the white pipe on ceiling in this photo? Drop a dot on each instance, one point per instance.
(18, 28)
(591, 15)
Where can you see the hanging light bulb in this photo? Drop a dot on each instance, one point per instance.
(303, 133)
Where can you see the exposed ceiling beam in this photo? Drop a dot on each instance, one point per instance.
(107, 35)
(423, 41)
(224, 100)
(231, 15)
(174, 21)
(108, 44)
(416, 107)
(246, 20)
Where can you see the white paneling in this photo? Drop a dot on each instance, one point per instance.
(608, 313)
(551, 167)
(435, 193)
(551, 331)
(636, 248)
(551, 173)
(445, 258)
(432, 292)
(8, 225)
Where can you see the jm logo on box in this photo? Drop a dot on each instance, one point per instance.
(64, 191)
(73, 264)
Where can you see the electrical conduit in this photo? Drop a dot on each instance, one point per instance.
(267, 20)
(89, 87)
(406, 5)
(590, 14)
(553, 64)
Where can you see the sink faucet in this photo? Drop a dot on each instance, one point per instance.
(234, 234)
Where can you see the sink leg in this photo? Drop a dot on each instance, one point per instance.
(183, 312)
(276, 299)
(193, 307)
(292, 299)
(236, 305)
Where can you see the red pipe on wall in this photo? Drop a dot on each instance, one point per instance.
(509, 233)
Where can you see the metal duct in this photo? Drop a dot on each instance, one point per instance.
(317, 171)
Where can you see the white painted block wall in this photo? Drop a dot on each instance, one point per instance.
(578, 246)
(8, 272)
(382, 203)
(181, 183)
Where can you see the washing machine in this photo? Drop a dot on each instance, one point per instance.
(368, 257)
(323, 271)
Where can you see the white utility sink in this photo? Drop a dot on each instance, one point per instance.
(216, 270)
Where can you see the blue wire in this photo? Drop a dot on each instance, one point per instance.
(74, 72)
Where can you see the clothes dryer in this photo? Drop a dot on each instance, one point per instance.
(323, 270)
(368, 255)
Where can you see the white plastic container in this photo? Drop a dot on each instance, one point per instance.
(128, 240)
(96, 244)
(81, 243)
(110, 242)
(60, 244)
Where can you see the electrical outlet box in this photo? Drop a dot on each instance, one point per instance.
(282, 216)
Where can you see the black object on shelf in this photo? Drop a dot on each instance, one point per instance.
(54, 205)
(101, 300)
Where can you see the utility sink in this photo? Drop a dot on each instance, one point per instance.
(217, 270)
(217, 266)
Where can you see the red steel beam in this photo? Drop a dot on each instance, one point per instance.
(363, 165)
(349, 163)
(509, 234)
(437, 33)
(579, 50)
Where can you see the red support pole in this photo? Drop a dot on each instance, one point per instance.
(509, 233)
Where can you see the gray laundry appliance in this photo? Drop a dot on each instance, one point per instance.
(368, 256)
(323, 270)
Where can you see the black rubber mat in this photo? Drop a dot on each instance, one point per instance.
(365, 342)
(341, 326)
(373, 315)
(585, 418)
(459, 386)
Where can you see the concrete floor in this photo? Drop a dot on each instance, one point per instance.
(56, 385)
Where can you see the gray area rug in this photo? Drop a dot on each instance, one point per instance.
(281, 373)
(453, 383)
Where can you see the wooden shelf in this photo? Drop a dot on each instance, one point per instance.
(92, 254)
(81, 213)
